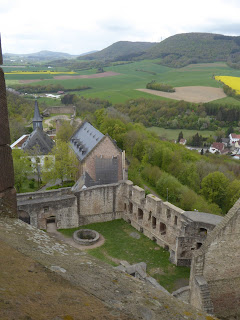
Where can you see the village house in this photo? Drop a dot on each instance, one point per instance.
(234, 138)
(217, 147)
(183, 141)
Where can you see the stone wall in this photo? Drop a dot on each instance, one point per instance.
(217, 264)
(100, 203)
(162, 222)
(106, 149)
(60, 110)
(8, 204)
(60, 205)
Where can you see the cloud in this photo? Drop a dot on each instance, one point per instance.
(88, 25)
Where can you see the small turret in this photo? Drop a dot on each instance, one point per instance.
(37, 119)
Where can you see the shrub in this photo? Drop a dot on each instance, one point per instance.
(160, 86)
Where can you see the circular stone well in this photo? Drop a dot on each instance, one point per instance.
(86, 237)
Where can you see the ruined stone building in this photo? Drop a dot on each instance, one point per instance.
(100, 159)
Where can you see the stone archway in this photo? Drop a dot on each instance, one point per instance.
(24, 216)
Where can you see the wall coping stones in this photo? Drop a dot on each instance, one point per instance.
(202, 217)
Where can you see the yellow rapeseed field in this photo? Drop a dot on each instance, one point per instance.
(232, 82)
(39, 72)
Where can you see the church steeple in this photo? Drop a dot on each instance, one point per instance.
(37, 119)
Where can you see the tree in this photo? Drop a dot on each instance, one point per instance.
(68, 99)
(22, 167)
(65, 131)
(180, 136)
(233, 193)
(229, 131)
(214, 187)
(62, 165)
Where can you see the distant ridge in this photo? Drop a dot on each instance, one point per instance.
(121, 50)
(176, 51)
(183, 49)
(38, 56)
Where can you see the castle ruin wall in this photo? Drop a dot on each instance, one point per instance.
(160, 221)
(40, 206)
(218, 264)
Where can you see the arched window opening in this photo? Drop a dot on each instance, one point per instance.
(163, 228)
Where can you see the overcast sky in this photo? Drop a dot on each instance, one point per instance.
(76, 27)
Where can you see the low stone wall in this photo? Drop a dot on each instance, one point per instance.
(40, 206)
(182, 294)
(60, 110)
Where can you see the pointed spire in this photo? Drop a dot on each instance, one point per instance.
(37, 119)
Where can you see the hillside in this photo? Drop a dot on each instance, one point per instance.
(183, 49)
(176, 51)
(35, 57)
(121, 50)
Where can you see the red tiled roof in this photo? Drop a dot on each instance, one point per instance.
(218, 145)
(235, 136)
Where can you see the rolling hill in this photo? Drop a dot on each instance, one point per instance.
(187, 48)
(176, 51)
(40, 56)
(120, 51)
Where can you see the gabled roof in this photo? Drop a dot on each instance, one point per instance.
(218, 145)
(85, 139)
(235, 136)
(40, 140)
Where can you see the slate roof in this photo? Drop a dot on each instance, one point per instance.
(37, 119)
(39, 139)
(37, 116)
(85, 139)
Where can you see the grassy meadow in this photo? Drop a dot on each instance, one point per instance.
(136, 75)
(172, 134)
(120, 245)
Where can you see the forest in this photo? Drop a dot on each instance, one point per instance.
(192, 181)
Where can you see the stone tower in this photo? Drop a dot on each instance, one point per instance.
(37, 119)
(8, 204)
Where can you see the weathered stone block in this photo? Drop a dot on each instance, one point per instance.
(4, 126)
(8, 203)
(6, 176)
(1, 59)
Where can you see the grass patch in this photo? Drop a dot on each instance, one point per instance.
(119, 245)
(29, 185)
(172, 134)
(64, 185)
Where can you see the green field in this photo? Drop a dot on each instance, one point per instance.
(172, 134)
(118, 89)
(120, 245)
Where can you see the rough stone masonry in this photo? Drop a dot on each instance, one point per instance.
(8, 204)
